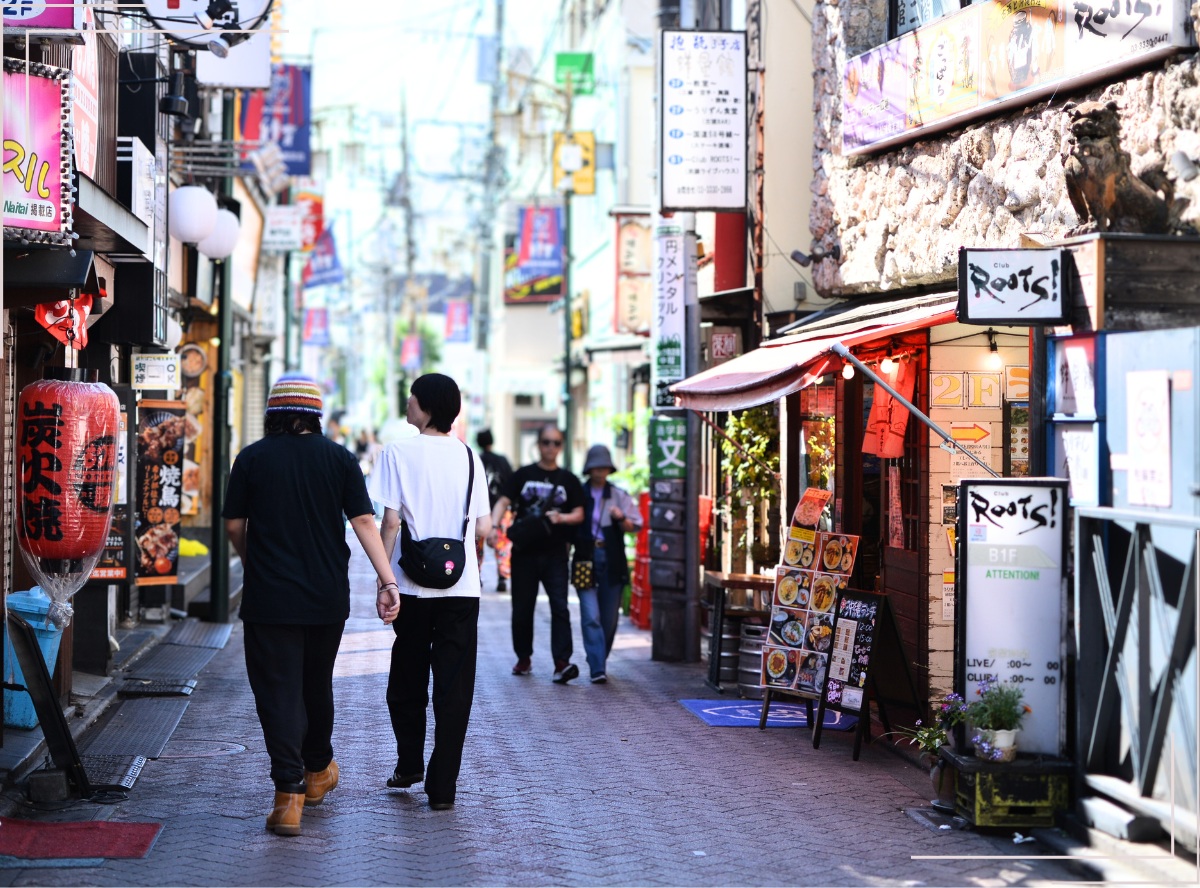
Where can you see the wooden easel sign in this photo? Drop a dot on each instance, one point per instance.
(795, 656)
(867, 661)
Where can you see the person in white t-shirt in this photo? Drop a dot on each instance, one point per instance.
(424, 482)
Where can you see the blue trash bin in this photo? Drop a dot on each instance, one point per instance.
(33, 606)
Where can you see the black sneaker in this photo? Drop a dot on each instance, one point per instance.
(599, 678)
(404, 781)
(567, 673)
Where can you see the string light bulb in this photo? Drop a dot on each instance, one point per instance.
(848, 371)
(887, 365)
(994, 360)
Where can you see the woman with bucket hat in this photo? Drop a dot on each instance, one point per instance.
(609, 514)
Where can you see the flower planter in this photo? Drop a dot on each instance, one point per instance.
(996, 746)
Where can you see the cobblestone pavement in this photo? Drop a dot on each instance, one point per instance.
(577, 785)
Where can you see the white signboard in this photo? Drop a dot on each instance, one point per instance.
(283, 229)
(668, 332)
(1023, 287)
(1013, 600)
(1079, 444)
(976, 438)
(1148, 436)
(156, 372)
(702, 113)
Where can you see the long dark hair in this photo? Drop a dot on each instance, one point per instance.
(292, 422)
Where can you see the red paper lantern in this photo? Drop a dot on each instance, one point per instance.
(66, 471)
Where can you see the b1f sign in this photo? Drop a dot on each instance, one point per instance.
(1013, 287)
(702, 117)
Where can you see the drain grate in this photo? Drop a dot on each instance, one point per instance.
(195, 633)
(139, 727)
(157, 687)
(113, 770)
(173, 662)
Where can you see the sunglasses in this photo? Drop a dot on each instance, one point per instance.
(545, 442)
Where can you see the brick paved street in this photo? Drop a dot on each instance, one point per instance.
(582, 785)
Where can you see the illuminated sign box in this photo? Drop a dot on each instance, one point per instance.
(998, 55)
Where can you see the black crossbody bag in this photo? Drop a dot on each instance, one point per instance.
(437, 562)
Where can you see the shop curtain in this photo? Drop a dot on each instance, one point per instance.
(889, 418)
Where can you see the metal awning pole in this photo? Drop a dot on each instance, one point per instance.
(844, 353)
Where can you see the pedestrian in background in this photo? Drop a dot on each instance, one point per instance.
(499, 469)
(610, 513)
(434, 491)
(283, 512)
(548, 502)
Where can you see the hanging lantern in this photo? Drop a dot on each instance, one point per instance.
(220, 244)
(192, 214)
(66, 462)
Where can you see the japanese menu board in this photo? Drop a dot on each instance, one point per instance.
(816, 567)
(856, 617)
(1011, 599)
(162, 429)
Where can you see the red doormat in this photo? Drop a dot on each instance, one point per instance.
(93, 838)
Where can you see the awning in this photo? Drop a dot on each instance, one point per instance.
(786, 365)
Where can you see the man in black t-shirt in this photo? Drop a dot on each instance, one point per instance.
(548, 505)
(283, 512)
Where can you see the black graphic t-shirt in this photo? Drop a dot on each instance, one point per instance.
(534, 491)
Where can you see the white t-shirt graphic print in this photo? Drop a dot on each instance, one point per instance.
(425, 480)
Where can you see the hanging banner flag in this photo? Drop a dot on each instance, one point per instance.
(36, 153)
(316, 326)
(311, 201)
(634, 280)
(533, 258)
(281, 114)
(66, 320)
(410, 353)
(458, 320)
(323, 267)
(85, 91)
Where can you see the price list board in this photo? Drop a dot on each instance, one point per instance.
(1010, 599)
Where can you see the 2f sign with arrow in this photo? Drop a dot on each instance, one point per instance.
(975, 437)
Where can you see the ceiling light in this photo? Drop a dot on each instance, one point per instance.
(994, 360)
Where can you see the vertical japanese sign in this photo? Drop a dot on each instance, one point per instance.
(533, 258)
(702, 117)
(311, 201)
(634, 281)
(1148, 437)
(1012, 599)
(411, 354)
(162, 430)
(668, 330)
(85, 93)
(668, 447)
(281, 114)
(947, 59)
(36, 154)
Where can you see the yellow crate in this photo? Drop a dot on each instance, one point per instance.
(1011, 799)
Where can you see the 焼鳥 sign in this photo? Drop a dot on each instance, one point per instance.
(1011, 599)
(1023, 286)
(702, 112)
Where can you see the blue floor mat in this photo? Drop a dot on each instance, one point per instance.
(746, 713)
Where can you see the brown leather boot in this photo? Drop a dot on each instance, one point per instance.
(285, 819)
(318, 783)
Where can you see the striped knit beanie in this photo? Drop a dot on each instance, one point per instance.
(292, 391)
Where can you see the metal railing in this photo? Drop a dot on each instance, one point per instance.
(1137, 684)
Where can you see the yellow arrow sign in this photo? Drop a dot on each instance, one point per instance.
(974, 432)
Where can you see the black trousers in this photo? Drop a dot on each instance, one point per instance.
(291, 674)
(552, 571)
(439, 634)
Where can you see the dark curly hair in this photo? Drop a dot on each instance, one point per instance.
(292, 422)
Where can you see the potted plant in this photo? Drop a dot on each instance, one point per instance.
(995, 719)
(930, 738)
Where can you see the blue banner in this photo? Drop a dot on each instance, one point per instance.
(281, 114)
(323, 267)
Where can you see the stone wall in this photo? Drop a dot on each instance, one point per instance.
(900, 216)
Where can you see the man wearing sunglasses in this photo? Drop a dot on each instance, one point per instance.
(548, 504)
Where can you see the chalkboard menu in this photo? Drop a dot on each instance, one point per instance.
(816, 567)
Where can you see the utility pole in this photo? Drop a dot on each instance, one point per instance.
(492, 176)
(218, 602)
(568, 405)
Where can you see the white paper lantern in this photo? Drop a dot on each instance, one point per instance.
(193, 214)
(223, 239)
(174, 333)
